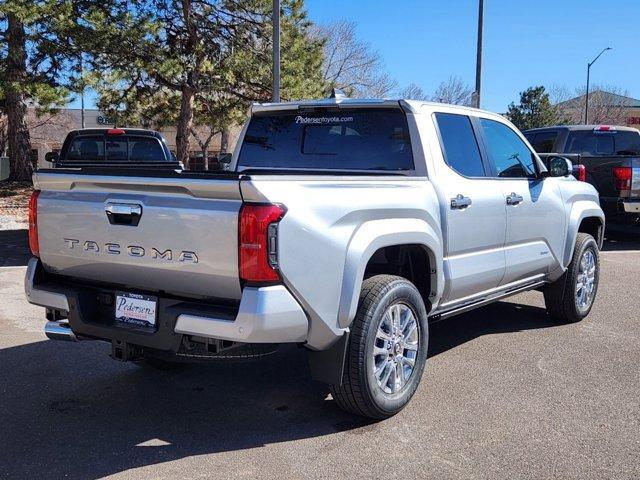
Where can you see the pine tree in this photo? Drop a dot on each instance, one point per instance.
(31, 69)
(209, 59)
(534, 110)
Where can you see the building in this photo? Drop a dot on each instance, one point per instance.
(47, 132)
(604, 108)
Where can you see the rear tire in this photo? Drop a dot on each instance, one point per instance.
(570, 298)
(387, 349)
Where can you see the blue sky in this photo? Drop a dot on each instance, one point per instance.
(541, 42)
(526, 43)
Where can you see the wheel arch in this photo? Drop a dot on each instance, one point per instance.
(587, 217)
(375, 235)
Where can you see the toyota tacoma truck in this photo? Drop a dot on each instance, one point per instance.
(344, 226)
(606, 156)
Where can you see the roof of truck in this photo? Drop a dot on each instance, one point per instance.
(127, 131)
(412, 105)
(574, 128)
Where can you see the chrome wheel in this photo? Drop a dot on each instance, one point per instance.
(586, 281)
(395, 348)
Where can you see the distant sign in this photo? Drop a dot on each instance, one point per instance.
(633, 121)
(104, 120)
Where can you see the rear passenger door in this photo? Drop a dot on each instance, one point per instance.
(534, 208)
(473, 211)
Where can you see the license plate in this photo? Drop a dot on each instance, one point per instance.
(136, 309)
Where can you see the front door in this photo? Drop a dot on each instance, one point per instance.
(534, 208)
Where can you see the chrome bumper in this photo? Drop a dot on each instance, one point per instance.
(631, 207)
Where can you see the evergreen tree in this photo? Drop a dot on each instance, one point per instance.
(534, 110)
(205, 60)
(32, 72)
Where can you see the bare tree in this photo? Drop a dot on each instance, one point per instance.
(413, 92)
(454, 91)
(607, 104)
(351, 64)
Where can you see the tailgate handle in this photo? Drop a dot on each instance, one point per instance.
(124, 213)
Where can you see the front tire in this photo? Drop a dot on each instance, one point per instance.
(570, 298)
(387, 349)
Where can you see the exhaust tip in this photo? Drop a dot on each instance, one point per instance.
(60, 330)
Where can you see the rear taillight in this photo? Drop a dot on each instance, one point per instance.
(258, 232)
(33, 223)
(580, 172)
(622, 177)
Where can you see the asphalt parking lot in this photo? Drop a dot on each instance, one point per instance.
(506, 394)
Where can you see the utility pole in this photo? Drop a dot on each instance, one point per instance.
(276, 51)
(479, 54)
(586, 99)
(82, 122)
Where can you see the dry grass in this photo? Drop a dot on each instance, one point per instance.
(14, 202)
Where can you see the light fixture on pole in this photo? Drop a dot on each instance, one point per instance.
(586, 100)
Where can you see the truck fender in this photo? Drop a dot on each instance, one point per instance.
(579, 211)
(376, 234)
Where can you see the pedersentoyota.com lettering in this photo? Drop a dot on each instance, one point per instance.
(318, 120)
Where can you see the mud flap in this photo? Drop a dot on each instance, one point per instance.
(328, 365)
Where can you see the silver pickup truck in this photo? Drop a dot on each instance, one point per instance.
(344, 226)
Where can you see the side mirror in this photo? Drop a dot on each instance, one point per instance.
(52, 157)
(559, 167)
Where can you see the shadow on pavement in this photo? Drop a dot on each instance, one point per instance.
(621, 237)
(69, 411)
(14, 248)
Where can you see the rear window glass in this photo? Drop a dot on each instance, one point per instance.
(543, 142)
(131, 148)
(348, 139)
(86, 148)
(604, 143)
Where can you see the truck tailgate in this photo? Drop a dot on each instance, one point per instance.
(175, 235)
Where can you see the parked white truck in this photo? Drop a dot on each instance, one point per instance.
(344, 226)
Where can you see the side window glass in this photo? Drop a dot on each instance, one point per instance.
(459, 144)
(510, 155)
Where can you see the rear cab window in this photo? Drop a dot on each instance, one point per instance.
(350, 139)
(543, 142)
(594, 143)
(114, 149)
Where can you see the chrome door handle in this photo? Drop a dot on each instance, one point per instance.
(460, 202)
(123, 213)
(514, 199)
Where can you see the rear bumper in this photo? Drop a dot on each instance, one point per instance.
(630, 207)
(265, 315)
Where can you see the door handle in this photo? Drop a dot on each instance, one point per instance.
(460, 202)
(514, 199)
(123, 213)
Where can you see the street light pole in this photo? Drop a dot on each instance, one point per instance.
(479, 54)
(276, 51)
(586, 99)
(82, 122)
